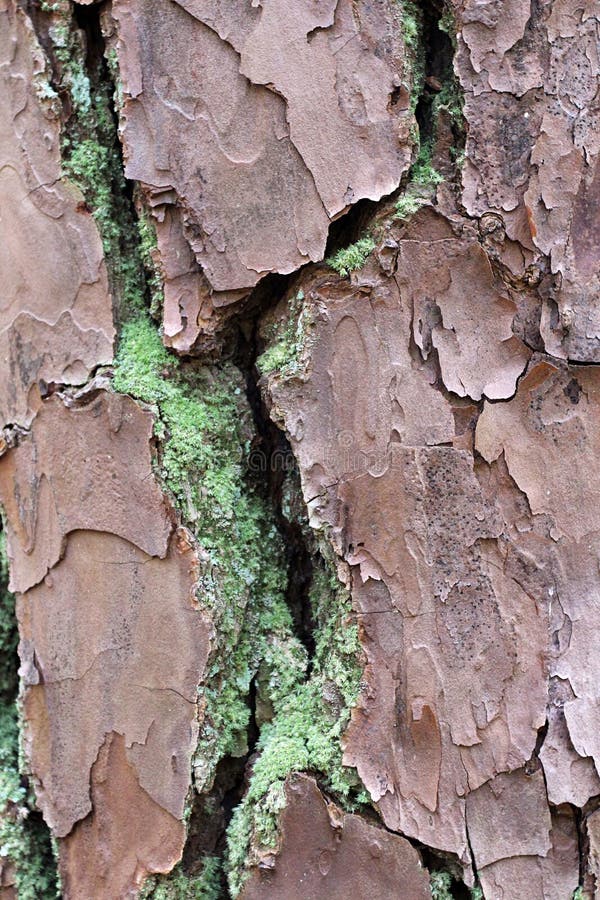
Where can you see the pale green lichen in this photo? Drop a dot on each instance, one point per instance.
(286, 340)
(353, 257)
(92, 160)
(407, 205)
(423, 178)
(411, 24)
(440, 883)
(69, 53)
(178, 885)
(24, 840)
(305, 731)
(205, 427)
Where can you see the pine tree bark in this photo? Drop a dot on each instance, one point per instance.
(300, 410)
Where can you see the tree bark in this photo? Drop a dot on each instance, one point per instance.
(300, 410)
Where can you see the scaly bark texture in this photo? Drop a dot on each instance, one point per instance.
(300, 427)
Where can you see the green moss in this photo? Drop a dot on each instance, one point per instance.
(286, 340)
(112, 61)
(305, 731)
(578, 894)
(422, 172)
(92, 160)
(180, 886)
(352, 257)
(451, 98)
(422, 181)
(144, 367)
(148, 252)
(204, 428)
(411, 28)
(440, 883)
(411, 24)
(407, 206)
(91, 165)
(24, 840)
(69, 53)
(204, 425)
(276, 357)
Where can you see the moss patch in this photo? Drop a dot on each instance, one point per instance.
(305, 732)
(353, 257)
(440, 883)
(205, 428)
(92, 160)
(411, 25)
(423, 179)
(180, 886)
(9, 638)
(423, 176)
(285, 340)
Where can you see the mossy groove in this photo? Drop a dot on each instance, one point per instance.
(84, 76)
(204, 431)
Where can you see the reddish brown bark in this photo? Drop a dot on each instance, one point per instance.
(436, 381)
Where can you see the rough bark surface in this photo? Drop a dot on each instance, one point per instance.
(300, 410)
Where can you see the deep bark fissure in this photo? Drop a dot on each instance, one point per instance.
(437, 862)
(240, 344)
(278, 465)
(438, 55)
(87, 19)
(93, 128)
(349, 226)
(210, 817)
(9, 658)
(213, 810)
(279, 462)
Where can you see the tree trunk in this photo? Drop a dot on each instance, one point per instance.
(300, 399)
